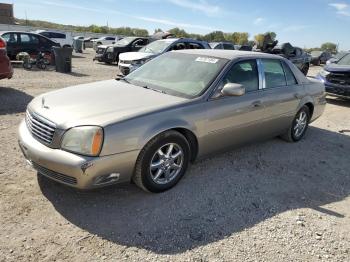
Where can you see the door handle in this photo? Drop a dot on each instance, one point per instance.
(256, 104)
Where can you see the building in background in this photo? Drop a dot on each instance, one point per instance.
(6, 14)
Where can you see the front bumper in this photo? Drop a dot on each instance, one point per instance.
(334, 89)
(77, 171)
(126, 69)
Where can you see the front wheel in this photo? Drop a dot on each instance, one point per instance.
(162, 162)
(299, 126)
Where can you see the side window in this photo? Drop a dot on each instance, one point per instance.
(58, 35)
(298, 52)
(194, 46)
(291, 80)
(274, 74)
(244, 73)
(29, 39)
(178, 46)
(10, 37)
(47, 34)
(228, 47)
(110, 38)
(219, 46)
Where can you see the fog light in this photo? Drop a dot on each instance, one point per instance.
(107, 179)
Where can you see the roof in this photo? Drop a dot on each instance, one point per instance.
(227, 54)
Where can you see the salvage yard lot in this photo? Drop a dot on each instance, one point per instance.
(271, 201)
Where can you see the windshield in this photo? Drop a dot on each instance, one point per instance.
(157, 46)
(178, 74)
(316, 53)
(345, 60)
(339, 55)
(125, 41)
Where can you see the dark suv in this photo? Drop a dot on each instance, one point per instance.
(26, 42)
(336, 77)
(110, 53)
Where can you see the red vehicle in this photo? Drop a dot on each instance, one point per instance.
(6, 70)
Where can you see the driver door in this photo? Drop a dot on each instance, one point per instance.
(235, 120)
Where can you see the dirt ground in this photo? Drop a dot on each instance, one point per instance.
(271, 201)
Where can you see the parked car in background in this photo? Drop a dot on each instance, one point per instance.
(320, 57)
(106, 40)
(222, 45)
(336, 58)
(27, 42)
(110, 53)
(336, 77)
(148, 126)
(130, 61)
(64, 39)
(6, 70)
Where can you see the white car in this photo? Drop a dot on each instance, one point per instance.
(106, 40)
(64, 39)
(130, 61)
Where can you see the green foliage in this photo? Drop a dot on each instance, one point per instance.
(127, 31)
(331, 47)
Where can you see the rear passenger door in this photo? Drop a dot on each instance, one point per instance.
(281, 95)
(29, 43)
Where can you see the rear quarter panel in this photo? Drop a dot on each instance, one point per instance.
(316, 94)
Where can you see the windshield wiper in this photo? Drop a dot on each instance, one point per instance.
(153, 89)
(123, 79)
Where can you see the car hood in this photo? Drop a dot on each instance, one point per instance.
(337, 68)
(132, 56)
(99, 103)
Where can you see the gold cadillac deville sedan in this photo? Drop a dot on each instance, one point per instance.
(147, 127)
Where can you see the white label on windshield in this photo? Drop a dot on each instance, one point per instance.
(207, 60)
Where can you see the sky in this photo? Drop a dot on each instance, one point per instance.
(304, 23)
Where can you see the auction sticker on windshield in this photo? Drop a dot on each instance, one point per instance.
(207, 60)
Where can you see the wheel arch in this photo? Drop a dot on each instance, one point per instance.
(181, 127)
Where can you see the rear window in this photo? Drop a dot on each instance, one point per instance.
(274, 73)
(10, 37)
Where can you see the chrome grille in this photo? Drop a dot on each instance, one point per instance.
(126, 62)
(40, 128)
(100, 50)
(339, 78)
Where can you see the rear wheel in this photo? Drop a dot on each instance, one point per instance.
(162, 162)
(299, 126)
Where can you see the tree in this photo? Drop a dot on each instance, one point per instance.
(178, 32)
(158, 30)
(331, 47)
(216, 36)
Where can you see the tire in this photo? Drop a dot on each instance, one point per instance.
(292, 135)
(318, 62)
(167, 171)
(27, 66)
(305, 69)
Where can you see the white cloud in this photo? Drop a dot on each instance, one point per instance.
(201, 5)
(339, 6)
(343, 9)
(143, 18)
(258, 21)
(173, 23)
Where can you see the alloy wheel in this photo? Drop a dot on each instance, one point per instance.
(300, 124)
(166, 163)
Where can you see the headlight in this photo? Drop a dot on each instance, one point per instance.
(85, 140)
(110, 49)
(324, 73)
(140, 62)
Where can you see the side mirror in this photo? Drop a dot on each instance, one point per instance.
(233, 89)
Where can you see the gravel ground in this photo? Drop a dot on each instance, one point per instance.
(271, 201)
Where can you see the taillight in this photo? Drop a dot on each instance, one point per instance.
(2, 43)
